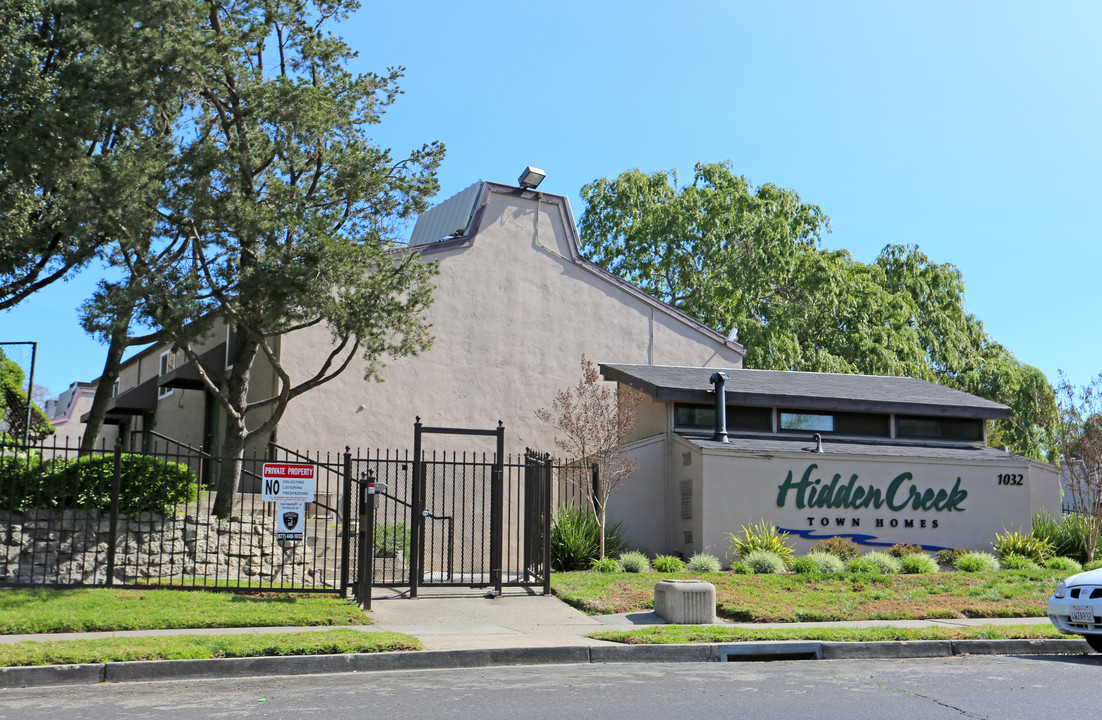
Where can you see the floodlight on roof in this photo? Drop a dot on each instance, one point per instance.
(531, 177)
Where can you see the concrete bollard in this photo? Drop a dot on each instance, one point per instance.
(685, 602)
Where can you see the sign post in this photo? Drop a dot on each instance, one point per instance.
(290, 486)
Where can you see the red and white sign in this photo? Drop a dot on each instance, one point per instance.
(288, 482)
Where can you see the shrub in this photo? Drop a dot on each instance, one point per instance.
(819, 563)
(840, 547)
(668, 564)
(901, 550)
(1013, 542)
(917, 564)
(977, 562)
(147, 484)
(741, 568)
(703, 563)
(949, 557)
(1093, 565)
(763, 536)
(391, 539)
(885, 563)
(1064, 565)
(863, 565)
(575, 539)
(634, 561)
(1017, 562)
(605, 565)
(1066, 535)
(763, 562)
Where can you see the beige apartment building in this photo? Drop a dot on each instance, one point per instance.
(515, 309)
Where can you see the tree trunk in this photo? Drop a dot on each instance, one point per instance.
(98, 411)
(601, 521)
(229, 477)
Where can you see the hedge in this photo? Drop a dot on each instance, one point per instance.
(148, 484)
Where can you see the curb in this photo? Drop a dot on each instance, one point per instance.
(153, 670)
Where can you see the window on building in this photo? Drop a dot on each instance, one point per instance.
(231, 345)
(916, 426)
(739, 417)
(114, 388)
(842, 423)
(168, 364)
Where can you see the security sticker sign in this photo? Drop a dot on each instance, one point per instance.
(287, 482)
(290, 519)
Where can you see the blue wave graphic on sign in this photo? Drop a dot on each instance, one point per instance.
(858, 538)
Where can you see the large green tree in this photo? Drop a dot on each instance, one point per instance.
(290, 212)
(750, 259)
(81, 84)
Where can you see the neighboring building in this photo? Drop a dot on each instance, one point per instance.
(881, 460)
(514, 310)
(65, 411)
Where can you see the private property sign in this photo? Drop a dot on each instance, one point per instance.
(290, 486)
(288, 482)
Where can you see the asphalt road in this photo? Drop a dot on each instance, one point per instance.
(1003, 687)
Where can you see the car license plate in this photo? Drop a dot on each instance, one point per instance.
(1081, 614)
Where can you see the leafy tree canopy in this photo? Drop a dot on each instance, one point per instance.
(739, 257)
(16, 423)
(290, 212)
(81, 82)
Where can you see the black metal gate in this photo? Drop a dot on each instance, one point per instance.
(451, 519)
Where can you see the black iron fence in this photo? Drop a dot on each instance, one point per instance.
(127, 519)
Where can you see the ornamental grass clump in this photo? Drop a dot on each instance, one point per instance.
(863, 566)
(575, 539)
(1066, 535)
(668, 564)
(1017, 562)
(977, 562)
(918, 564)
(818, 563)
(605, 565)
(1063, 565)
(764, 562)
(885, 563)
(703, 563)
(1012, 542)
(741, 568)
(634, 561)
(763, 536)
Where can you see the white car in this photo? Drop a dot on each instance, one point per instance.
(1076, 607)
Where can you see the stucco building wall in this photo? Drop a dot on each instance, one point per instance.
(513, 313)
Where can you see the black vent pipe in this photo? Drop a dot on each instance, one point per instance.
(720, 379)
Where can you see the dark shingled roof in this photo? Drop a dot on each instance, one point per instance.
(769, 444)
(807, 391)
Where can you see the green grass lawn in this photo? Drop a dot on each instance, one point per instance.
(42, 610)
(802, 598)
(180, 647)
(680, 634)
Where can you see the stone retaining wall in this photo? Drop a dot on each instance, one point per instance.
(70, 547)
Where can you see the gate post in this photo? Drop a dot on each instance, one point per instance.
(546, 524)
(346, 513)
(497, 510)
(418, 519)
(116, 483)
(366, 548)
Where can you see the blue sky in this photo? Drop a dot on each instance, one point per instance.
(969, 129)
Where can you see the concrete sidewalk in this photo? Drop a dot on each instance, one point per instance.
(465, 628)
